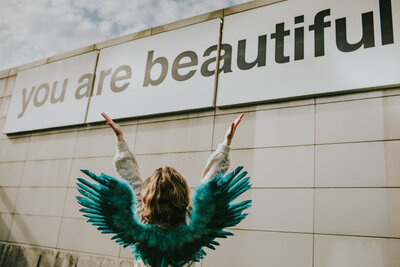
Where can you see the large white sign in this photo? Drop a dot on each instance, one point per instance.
(171, 71)
(294, 48)
(51, 95)
(307, 47)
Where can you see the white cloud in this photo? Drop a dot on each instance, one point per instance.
(35, 29)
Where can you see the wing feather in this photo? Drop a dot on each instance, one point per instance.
(109, 205)
(213, 210)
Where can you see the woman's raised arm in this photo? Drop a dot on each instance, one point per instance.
(219, 159)
(125, 163)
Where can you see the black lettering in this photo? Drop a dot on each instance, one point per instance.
(53, 98)
(385, 12)
(205, 67)
(46, 89)
(226, 57)
(103, 75)
(149, 65)
(115, 78)
(368, 38)
(261, 54)
(299, 39)
(318, 28)
(25, 101)
(279, 37)
(193, 61)
(80, 93)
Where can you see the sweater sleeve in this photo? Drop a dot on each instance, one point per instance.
(127, 167)
(217, 162)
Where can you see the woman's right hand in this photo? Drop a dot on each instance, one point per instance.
(114, 126)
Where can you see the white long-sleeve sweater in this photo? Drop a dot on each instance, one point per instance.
(127, 167)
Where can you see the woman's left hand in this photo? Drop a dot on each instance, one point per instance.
(117, 130)
(231, 130)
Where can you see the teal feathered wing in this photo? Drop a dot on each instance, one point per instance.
(110, 205)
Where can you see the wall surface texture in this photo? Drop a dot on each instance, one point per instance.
(325, 175)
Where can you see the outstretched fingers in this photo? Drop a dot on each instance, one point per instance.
(231, 130)
(106, 117)
(238, 119)
(114, 126)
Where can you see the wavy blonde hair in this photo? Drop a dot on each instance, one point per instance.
(165, 198)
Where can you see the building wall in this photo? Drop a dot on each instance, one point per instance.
(325, 174)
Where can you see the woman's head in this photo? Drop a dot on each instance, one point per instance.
(165, 198)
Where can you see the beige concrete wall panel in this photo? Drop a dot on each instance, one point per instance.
(10, 86)
(5, 104)
(11, 173)
(13, 149)
(94, 260)
(32, 256)
(391, 91)
(391, 121)
(13, 71)
(277, 167)
(254, 248)
(248, 6)
(275, 105)
(101, 142)
(26, 256)
(46, 173)
(4, 73)
(171, 117)
(123, 39)
(346, 251)
(174, 136)
(369, 164)
(84, 260)
(71, 207)
(392, 166)
(366, 211)
(72, 53)
(126, 253)
(78, 235)
(348, 97)
(279, 210)
(35, 230)
(2, 123)
(95, 165)
(40, 201)
(3, 83)
(350, 121)
(52, 146)
(5, 223)
(190, 165)
(8, 198)
(187, 22)
(277, 127)
(126, 263)
(32, 64)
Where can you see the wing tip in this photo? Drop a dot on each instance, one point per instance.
(85, 171)
(238, 169)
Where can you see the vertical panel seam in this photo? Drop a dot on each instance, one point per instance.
(19, 185)
(92, 86)
(66, 189)
(314, 174)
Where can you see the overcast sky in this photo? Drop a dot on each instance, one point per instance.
(35, 29)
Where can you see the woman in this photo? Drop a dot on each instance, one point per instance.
(164, 196)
